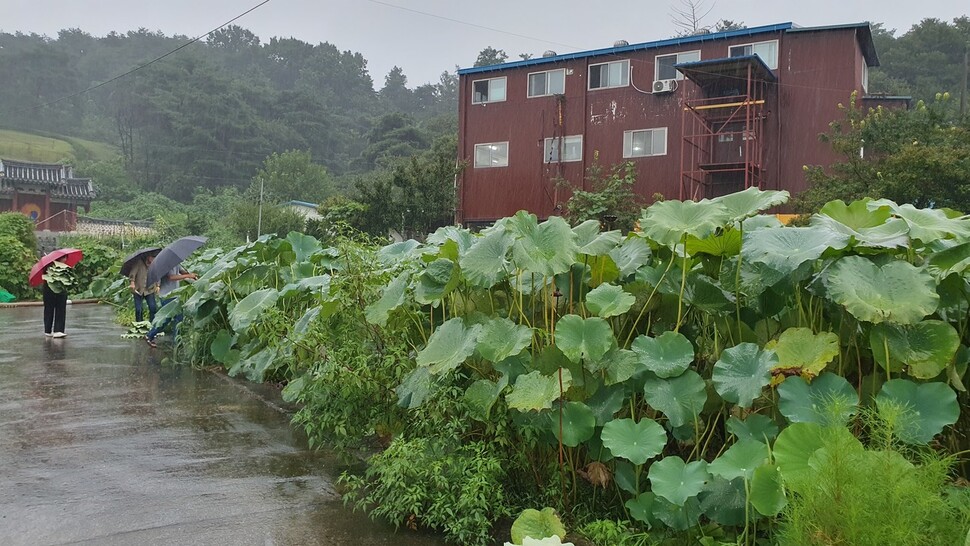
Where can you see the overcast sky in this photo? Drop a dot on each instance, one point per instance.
(427, 37)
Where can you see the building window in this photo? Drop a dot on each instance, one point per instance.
(664, 64)
(615, 74)
(491, 154)
(563, 149)
(492, 90)
(768, 51)
(645, 143)
(865, 77)
(542, 84)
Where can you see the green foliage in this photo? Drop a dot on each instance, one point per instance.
(919, 156)
(610, 198)
(698, 402)
(292, 175)
(420, 482)
(883, 494)
(99, 259)
(15, 263)
(18, 226)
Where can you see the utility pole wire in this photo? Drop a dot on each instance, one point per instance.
(153, 61)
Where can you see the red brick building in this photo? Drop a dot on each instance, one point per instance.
(47, 193)
(699, 116)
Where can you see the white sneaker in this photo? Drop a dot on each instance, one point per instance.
(58, 334)
(48, 334)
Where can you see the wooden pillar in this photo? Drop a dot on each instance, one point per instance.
(46, 213)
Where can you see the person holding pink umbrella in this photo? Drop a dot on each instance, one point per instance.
(55, 297)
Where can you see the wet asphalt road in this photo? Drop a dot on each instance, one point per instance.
(101, 442)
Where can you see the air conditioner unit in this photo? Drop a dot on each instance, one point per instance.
(664, 86)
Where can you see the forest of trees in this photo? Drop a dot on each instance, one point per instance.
(211, 118)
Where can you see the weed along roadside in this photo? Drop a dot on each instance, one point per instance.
(716, 378)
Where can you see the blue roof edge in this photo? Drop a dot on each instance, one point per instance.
(302, 203)
(697, 38)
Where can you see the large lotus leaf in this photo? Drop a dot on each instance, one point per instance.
(743, 204)
(414, 389)
(631, 255)
(221, 344)
(625, 476)
(724, 501)
(892, 234)
(594, 243)
(702, 292)
(754, 280)
(449, 346)
(798, 442)
(742, 372)
(502, 338)
(725, 244)
(635, 441)
(925, 349)
(803, 352)
(463, 238)
(481, 396)
(303, 245)
(609, 300)
(755, 426)
(667, 222)
(786, 249)
(896, 292)
(606, 402)
(392, 298)
(546, 249)
(677, 481)
(918, 412)
(666, 355)
(740, 460)
(301, 326)
(486, 262)
(829, 399)
(678, 518)
(255, 365)
(532, 523)
(436, 281)
(767, 494)
(318, 284)
(928, 225)
(578, 423)
(578, 338)
(620, 365)
(547, 541)
(249, 308)
(681, 398)
(856, 215)
(534, 391)
(955, 259)
(395, 252)
(641, 508)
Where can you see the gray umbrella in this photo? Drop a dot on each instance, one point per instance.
(171, 256)
(139, 254)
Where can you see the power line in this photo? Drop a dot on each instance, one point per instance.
(153, 61)
(460, 22)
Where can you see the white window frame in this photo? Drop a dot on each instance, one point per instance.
(773, 66)
(490, 146)
(678, 55)
(563, 142)
(490, 99)
(630, 153)
(528, 91)
(625, 75)
(865, 77)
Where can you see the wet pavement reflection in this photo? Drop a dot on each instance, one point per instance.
(103, 443)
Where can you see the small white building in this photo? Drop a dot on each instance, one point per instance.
(305, 209)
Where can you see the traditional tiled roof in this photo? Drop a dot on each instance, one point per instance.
(56, 178)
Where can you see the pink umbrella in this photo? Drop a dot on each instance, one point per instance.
(71, 256)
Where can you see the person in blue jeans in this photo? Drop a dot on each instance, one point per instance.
(140, 291)
(167, 285)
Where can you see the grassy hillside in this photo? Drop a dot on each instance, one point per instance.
(47, 149)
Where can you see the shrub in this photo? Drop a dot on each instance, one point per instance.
(20, 227)
(15, 263)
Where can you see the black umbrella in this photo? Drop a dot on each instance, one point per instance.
(139, 254)
(171, 256)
